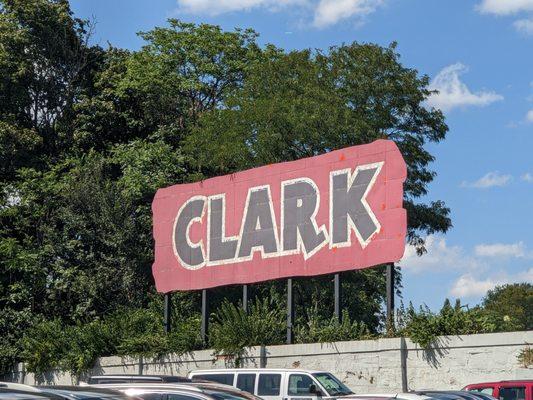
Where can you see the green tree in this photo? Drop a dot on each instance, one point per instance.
(46, 65)
(88, 135)
(306, 103)
(512, 305)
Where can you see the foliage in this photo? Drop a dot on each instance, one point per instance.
(233, 329)
(423, 326)
(89, 134)
(74, 348)
(304, 103)
(511, 305)
(43, 346)
(317, 330)
(525, 357)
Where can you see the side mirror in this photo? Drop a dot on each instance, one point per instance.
(313, 390)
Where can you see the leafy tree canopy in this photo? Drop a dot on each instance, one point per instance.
(89, 134)
(512, 304)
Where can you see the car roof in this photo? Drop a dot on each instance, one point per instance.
(403, 396)
(155, 385)
(13, 394)
(206, 388)
(135, 389)
(373, 397)
(198, 387)
(500, 382)
(263, 370)
(82, 392)
(436, 393)
(464, 394)
(155, 378)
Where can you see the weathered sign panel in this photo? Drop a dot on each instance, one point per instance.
(338, 211)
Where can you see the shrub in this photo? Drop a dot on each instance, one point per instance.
(233, 330)
(44, 346)
(525, 357)
(318, 330)
(84, 343)
(139, 332)
(423, 327)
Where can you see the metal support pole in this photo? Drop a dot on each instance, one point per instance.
(245, 298)
(290, 312)
(167, 314)
(337, 295)
(390, 295)
(204, 328)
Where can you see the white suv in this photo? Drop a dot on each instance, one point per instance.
(278, 384)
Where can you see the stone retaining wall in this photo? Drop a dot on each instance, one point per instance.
(367, 366)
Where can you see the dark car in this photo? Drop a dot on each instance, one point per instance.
(104, 379)
(454, 395)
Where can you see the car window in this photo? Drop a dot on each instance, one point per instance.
(225, 379)
(332, 384)
(486, 390)
(222, 395)
(299, 384)
(152, 396)
(269, 384)
(246, 382)
(512, 393)
(175, 396)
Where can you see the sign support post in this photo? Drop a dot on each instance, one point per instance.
(245, 298)
(290, 312)
(337, 295)
(168, 312)
(204, 329)
(390, 295)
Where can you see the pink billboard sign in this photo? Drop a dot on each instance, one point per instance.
(339, 211)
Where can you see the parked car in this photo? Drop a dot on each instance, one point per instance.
(83, 393)
(102, 379)
(184, 391)
(389, 396)
(454, 395)
(505, 390)
(208, 385)
(18, 394)
(278, 384)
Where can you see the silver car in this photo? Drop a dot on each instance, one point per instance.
(185, 391)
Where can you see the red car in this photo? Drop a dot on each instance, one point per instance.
(505, 390)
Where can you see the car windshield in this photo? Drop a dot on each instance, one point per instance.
(333, 386)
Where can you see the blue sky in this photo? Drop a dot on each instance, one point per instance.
(478, 53)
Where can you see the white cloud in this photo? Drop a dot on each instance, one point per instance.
(510, 7)
(529, 116)
(524, 26)
(329, 12)
(453, 93)
(490, 179)
(466, 273)
(325, 12)
(501, 250)
(505, 7)
(469, 285)
(527, 177)
(215, 7)
(439, 256)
